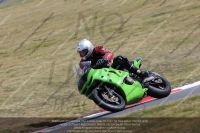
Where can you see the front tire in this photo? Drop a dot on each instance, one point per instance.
(107, 104)
(160, 88)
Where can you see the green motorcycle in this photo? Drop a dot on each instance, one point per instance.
(111, 88)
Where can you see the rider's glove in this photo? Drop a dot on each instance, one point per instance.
(102, 62)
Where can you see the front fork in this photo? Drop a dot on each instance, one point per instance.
(110, 93)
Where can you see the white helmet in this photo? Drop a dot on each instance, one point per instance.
(86, 47)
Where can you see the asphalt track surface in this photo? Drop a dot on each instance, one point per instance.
(177, 94)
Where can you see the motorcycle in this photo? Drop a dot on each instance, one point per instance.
(112, 88)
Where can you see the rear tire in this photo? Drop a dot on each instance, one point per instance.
(105, 104)
(160, 90)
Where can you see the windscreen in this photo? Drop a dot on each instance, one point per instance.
(81, 68)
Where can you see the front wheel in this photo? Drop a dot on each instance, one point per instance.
(159, 87)
(111, 103)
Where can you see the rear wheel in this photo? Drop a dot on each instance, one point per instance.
(112, 103)
(159, 87)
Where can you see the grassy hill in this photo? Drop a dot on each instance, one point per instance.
(38, 41)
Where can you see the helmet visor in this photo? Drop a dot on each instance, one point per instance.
(83, 52)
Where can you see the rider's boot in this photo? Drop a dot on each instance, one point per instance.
(137, 71)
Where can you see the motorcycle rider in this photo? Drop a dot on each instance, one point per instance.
(100, 56)
(97, 55)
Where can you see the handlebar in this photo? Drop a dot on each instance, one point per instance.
(99, 67)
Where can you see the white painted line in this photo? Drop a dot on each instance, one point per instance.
(97, 114)
(188, 86)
